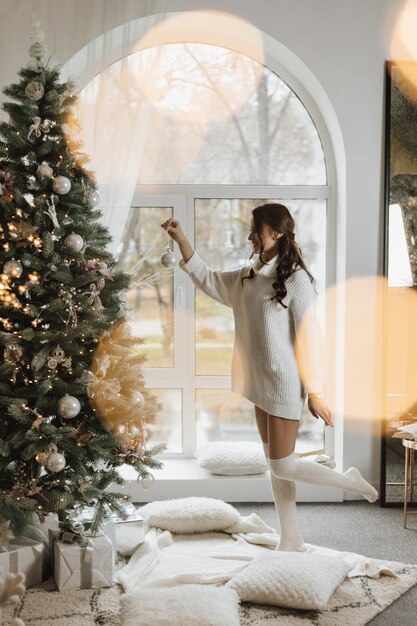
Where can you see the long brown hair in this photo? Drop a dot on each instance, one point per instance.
(290, 257)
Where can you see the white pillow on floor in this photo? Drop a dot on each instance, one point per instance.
(186, 605)
(189, 515)
(234, 458)
(296, 580)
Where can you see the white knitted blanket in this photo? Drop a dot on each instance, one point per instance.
(166, 559)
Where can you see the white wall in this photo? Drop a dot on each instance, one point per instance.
(343, 42)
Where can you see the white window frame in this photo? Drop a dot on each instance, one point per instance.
(182, 375)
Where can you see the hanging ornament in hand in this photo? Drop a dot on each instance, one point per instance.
(68, 407)
(168, 259)
(74, 242)
(44, 169)
(34, 90)
(13, 268)
(61, 185)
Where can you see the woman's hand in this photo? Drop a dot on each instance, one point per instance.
(174, 230)
(318, 408)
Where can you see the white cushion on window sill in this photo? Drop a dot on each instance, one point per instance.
(236, 458)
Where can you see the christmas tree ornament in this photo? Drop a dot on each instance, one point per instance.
(44, 169)
(34, 90)
(35, 65)
(72, 84)
(55, 462)
(68, 407)
(168, 259)
(61, 185)
(38, 127)
(74, 242)
(38, 51)
(13, 268)
(35, 32)
(23, 232)
(58, 357)
(52, 211)
(145, 481)
(137, 399)
(93, 198)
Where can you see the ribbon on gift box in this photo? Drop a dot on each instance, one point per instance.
(15, 566)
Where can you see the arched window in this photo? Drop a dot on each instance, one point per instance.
(224, 133)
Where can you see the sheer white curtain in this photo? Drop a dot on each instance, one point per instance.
(114, 112)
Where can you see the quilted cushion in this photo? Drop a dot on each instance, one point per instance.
(233, 458)
(190, 515)
(186, 605)
(298, 580)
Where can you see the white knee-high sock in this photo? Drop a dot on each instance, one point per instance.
(284, 498)
(291, 468)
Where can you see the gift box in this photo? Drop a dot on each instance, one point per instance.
(85, 516)
(23, 556)
(130, 532)
(83, 566)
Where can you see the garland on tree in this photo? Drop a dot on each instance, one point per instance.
(60, 296)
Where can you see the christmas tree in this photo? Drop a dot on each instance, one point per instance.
(72, 396)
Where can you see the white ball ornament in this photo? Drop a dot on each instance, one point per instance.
(61, 185)
(147, 482)
(168, 259)
(34, 90)
(137, 399)
(74, 242)
(45, 170)
(55, 462)
(13, 268)
(68, 407)
(93, 198)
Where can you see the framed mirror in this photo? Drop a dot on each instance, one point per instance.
(400, 267)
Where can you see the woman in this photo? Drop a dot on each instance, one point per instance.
(270, 299)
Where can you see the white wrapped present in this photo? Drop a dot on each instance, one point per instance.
(79, 566)
(23, 556)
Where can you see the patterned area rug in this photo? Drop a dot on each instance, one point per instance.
(356, 601)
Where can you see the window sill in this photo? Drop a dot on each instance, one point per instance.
(181, 478)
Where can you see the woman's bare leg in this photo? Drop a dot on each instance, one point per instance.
(284, 495)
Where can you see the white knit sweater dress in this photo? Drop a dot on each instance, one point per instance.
(264, 367)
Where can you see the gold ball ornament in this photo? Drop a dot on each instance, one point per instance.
(145, 482)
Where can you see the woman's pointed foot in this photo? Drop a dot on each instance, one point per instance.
(360, 485)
